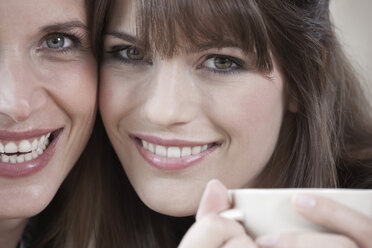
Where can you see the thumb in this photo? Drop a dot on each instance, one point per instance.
(215, 199)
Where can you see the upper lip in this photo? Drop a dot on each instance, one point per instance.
(6, 135)
(171, 142)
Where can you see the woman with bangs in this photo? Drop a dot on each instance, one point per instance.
(252, 93)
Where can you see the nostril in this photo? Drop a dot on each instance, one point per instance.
(18, 105)
(22, 112)
(17, 111)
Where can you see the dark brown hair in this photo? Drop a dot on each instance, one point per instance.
(326, 142)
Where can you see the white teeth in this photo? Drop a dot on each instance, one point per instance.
(204, 148)
(145, 144)
(13, 159)
(5, 158)
(11, 147)
(34, 145)
(196, 150)
(24, 146)
(161, 151)
(151, 148)
(28, 156)
(41, 141)
(20, 158)
(30, 150)
(39, 151)
(174, 152)
(186, 151)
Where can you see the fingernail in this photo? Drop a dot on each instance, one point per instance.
(267, 241)
(232, 214)
(304, 202)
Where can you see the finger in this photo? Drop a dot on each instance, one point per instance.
(336, 217)
(215, 199)
(305, 240)
(240, 241)
(211, 231)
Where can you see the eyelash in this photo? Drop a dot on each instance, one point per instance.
(75, 38)
(237, 67)
(238, 64)
(115, 53)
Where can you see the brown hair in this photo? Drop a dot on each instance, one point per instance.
(327, 142)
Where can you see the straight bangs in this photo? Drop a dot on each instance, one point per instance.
(168, 27)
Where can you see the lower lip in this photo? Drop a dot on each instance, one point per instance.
(172, 164)
(30, 167)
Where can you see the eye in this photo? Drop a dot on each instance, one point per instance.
(57, 42)
(130, 55)
(222, 62)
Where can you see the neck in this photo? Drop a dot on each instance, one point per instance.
(11, 231)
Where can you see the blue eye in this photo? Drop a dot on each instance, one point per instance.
(58, 42)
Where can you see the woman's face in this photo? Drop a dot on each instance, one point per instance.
(47, 99)
(176, 123)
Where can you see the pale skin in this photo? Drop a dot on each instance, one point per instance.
(183, 100)
(192, 97)
(48, 82)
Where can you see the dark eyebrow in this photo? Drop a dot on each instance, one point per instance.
(123, 36)
(63, 26)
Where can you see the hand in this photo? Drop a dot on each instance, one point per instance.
(211, 230)
(351, 229)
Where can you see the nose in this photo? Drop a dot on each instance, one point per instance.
(18, 90)
(171, 97)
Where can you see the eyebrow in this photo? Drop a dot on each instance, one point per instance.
(64, 26)
(123, 36)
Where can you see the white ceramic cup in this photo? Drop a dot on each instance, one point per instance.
(270, 211)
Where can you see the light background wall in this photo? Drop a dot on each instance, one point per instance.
(353, 21)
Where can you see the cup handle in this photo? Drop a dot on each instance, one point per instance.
(233, 214)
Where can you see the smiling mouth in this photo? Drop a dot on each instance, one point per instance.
(25, 150)
(173, 151)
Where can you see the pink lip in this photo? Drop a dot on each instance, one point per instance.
(14, 136)
(172, 164)
(32, 166)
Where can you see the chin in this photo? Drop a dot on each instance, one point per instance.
(174, 211)
(171, 206)
(26, 204)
